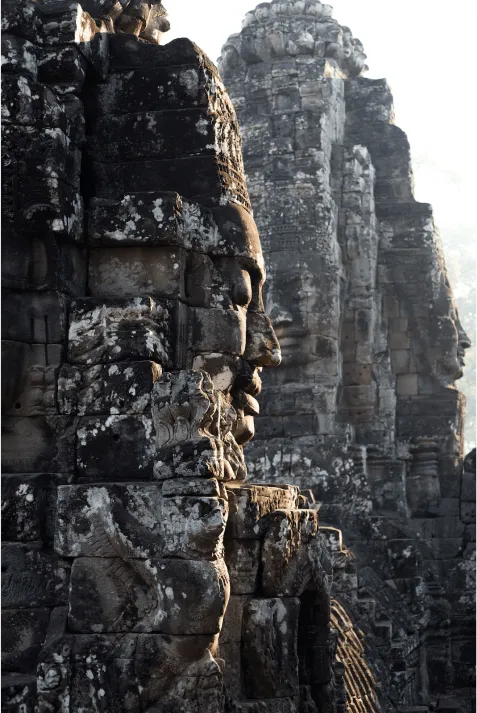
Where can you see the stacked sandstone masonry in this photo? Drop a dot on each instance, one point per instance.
(134, 333)
(364, 408)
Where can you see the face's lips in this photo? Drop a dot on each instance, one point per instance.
(246, 403)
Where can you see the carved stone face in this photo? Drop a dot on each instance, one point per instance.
(452, 341)
(303, 310)
(231, 287)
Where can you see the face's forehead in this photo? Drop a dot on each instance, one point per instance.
(227, 230)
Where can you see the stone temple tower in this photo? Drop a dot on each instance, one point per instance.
(364, 409)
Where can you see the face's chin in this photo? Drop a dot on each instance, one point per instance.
(244, 429)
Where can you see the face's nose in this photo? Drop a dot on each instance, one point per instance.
(464, 340)
(262, 347)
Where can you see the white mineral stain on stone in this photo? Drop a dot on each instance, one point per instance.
(190, 80)
(202, 126)
(157, 211)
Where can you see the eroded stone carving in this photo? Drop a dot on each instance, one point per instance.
(141, 573)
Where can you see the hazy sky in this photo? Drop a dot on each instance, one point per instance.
(427, 52)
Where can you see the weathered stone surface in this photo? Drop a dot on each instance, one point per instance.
(135, 271)
(269, 652)
(32, 578)
(291, 553)
(28, 506)
(109, 331)
(194, 527)
(232, 627)
(117, 388)
(195, 486)
(109, 521)
(150, 89)
(24, 632)
(115, 448)
(161, 663)
(34, 318)
(38, 444)
(18, 690)
(250, 504)
(139, 135)
(178, 597)
(242, 558)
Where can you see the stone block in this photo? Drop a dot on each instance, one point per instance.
(360, 397)
(115, 448)
(177, 597)
(18, 693)
(42, 262)
(162, 661)
(39, 444)
(28, 505)
(250, 504)
(230, 653)
(32, 578)
(269, 647)
(232, 626)
(124, 388)
(194, 527)
(291, 553)
(218, 330)
(467, 493)
(151, 219)
(401, 360)
(62, 25)
(135, 272)
(357, 374)
(407, 385)
(34, 318)
(117, 520)
(192, 486)
(446, 547)
(150, 89)
(22, 102)
(186, 414)
(105, 331)
(242, 558)
(142, 135)
(29, 373)
(23, 634)
(467, 512)
(423, 495)
(19, 56)
(64, 65)
(195, 176)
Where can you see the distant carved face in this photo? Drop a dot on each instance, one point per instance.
(452, 340)
(302, 305)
